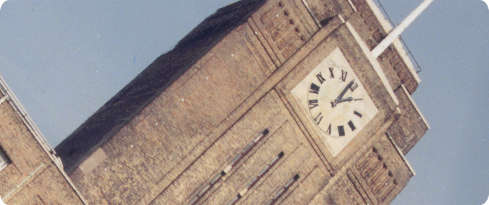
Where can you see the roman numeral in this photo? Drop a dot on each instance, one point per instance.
(357, 114)
(320, 78)
(353, 87)
(343, 75)
(314, 88)
(331, 72)
(341, 130)
(318, 118)
(313, 103)
(329, 129)
(352, 126)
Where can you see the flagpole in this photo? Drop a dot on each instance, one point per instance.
(399, 29)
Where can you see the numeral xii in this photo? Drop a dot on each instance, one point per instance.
(343, 75)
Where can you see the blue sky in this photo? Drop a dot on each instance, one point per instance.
(450, 42)
(65, 59)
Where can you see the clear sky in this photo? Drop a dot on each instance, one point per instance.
(65, 59)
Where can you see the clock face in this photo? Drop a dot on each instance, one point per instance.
(335, 101)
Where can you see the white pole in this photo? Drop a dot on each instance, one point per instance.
(399, 29)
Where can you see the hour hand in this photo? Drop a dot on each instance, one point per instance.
(340, 96)
(348, 99)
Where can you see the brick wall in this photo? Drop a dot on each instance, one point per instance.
(164, 133)
(31, 174)
(174, 148)
(411, 125)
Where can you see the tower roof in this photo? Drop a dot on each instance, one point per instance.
(152, 81)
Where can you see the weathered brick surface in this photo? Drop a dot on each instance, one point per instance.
(12, 130)
(285, 26)
(411, 125)
(175, 122)
(171, 149)
(381, 171)
(47, 187)
(306, 188)
(396, 70)
(341, 191)
(222, 152)
(150, 83)
(167, 134)
(372, 33)
(323, 10)
(374, 176)
(31, 176)
(283, 137)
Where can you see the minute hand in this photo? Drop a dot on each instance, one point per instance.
(344, 90)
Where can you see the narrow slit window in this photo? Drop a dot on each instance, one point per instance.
(4, 161)
(283, 189)
(258, 177)
(235, 161)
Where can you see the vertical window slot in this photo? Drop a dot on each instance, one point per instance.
(4, 160)
(227, 169)
(258, 177)
(283, 189)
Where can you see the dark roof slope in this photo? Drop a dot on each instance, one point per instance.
(160, 74)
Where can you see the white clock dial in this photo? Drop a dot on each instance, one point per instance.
(335, 93)
(335, 101)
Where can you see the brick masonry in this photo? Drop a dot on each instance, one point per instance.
(172, 149)
(177, 133)
(31, 175)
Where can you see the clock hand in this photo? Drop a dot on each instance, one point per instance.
(344, 90)
(334, 102)
(348, 99)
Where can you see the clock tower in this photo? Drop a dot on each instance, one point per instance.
(265, 101)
